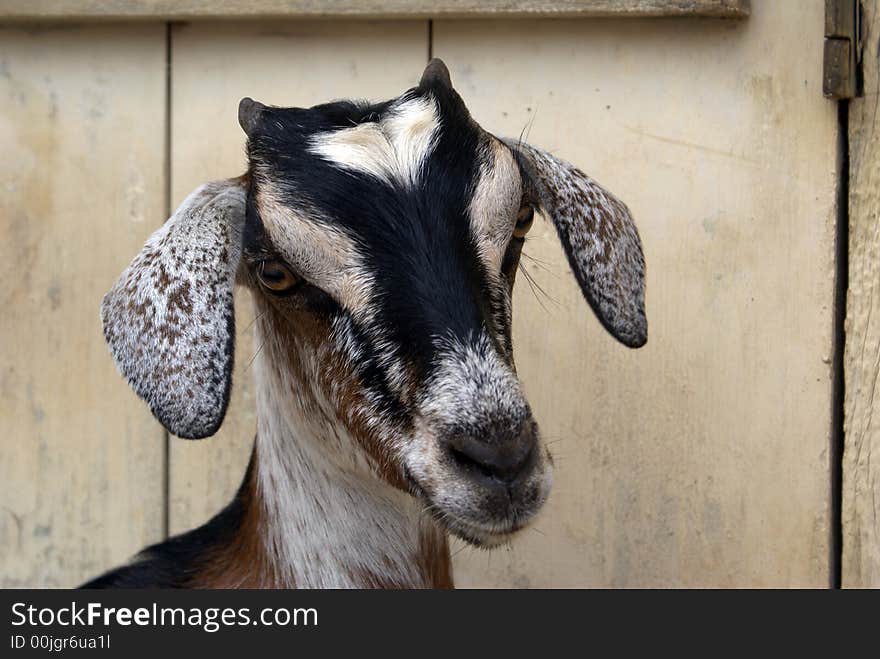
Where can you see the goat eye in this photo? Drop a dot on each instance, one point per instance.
(276, 276)
(524, 220)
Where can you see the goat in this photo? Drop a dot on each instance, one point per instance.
(380, 243)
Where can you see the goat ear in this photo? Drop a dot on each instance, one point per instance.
(436, 74)
(169, 318)
(599, 237)
(249, 112)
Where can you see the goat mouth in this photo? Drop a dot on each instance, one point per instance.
(476, 535)
(480, 534)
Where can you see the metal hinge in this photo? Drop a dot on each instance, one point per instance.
(842, 75)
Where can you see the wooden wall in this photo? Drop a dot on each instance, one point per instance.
(701, 460)
(82, 129)
(861, 476)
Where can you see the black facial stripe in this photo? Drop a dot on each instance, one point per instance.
(254, 239)
(372, 375)
(429, 280)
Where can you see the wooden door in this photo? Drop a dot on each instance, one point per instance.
(702, 459)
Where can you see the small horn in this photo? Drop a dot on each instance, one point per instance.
(249, 114)
(436, 74)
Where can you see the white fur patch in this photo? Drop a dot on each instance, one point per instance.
(494, 205)
(393, 149)
(324, 255)
(331, 520)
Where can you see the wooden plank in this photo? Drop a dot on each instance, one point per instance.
(214, 65)
(702, 459)
(861, 475)
(82, 129)
(227, 9)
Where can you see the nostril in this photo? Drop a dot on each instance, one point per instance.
(467, 463)
(500, 462)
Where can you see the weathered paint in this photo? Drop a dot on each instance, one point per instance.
(861, 478)
(701, 459)
(82, 175)
(30, 10)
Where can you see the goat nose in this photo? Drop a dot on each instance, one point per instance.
(499, 459)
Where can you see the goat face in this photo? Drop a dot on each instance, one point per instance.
(381, 243)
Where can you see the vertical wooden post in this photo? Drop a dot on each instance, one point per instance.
(861, 474)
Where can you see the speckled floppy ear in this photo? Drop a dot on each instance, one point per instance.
(599, 237)
(169, 318)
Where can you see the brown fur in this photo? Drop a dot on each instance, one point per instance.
(244, 562)
(337, 379)
(432, 558)
(435, 560)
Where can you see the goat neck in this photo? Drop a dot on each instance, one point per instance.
(328, 520)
